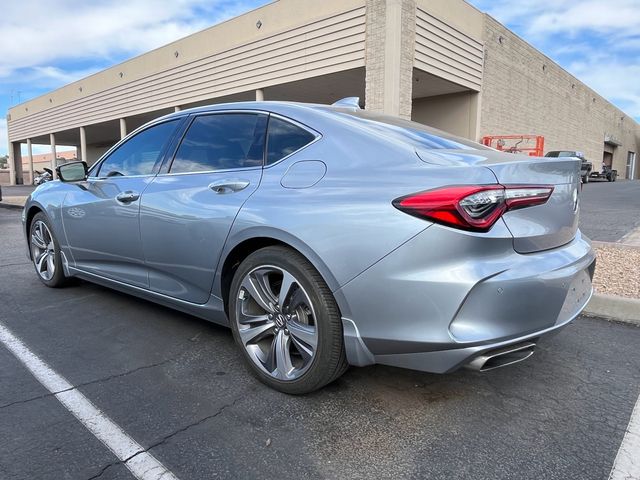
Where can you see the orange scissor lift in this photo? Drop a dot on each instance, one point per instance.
(532, 145)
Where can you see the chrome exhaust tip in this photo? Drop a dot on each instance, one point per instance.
(502, 357)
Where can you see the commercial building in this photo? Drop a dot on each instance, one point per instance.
(440, 62)
(38, 162)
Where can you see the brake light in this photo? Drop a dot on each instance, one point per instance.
(472, 207)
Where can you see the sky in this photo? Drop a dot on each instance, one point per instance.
(47, 44)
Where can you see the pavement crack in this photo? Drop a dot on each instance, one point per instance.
(194, 424)
(14, 264)
(168, 437)
(93, 382)
(104, 469)
(31, 399)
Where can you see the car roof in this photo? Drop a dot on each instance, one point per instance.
(267, 105)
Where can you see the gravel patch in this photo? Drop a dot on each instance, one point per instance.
(617, 271)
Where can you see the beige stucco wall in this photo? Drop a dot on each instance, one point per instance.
(457, 14)
(525, 92)
(448, 52)
(392, 39)
(95, 152)
(454, 113)
(296, 40)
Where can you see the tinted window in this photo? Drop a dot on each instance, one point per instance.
(139, 154)
(570, 153)
(284, 138)
(220, 142)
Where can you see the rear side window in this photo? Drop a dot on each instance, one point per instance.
(139, 154)
(284, 138)
(220, 142)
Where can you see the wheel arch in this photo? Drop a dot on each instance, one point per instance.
(32, 211)
(251, 240)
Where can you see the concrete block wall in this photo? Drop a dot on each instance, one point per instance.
(526, 92)
(407, 54)
(374, 55)
(389, 56)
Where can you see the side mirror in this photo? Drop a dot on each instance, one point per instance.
(72, 171)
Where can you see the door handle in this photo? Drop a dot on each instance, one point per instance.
(127, 197)
(228, 186)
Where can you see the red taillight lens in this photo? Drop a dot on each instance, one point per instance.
(472, 207)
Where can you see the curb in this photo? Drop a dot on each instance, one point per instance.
(597, 243)
(11, 206)
(613, 307)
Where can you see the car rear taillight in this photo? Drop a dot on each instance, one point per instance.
(472, 207)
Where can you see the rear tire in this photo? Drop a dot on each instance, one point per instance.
(45, 252)
(585, 179)
(292, 341)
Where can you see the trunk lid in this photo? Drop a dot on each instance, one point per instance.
(535, 228)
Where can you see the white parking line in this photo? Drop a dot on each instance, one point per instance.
(627, 463)
(141, 464)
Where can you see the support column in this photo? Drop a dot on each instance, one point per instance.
(30, 156)
(123, 128)
(54, 154)
(390, 47)
(12, 164)
(259, 95)
(15, 163)
(177, 108)
(83, 145)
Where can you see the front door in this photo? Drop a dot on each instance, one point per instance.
(101, 216)
(186, 214)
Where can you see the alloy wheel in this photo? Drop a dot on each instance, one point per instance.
(43, 250)
(276, 322)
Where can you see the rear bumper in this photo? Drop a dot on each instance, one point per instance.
(437, 309)
(445, 361)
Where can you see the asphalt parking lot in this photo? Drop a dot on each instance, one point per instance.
(176, 385)
(610, 210)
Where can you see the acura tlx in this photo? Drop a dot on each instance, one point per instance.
(325, 236)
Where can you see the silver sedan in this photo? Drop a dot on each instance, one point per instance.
(325, 236)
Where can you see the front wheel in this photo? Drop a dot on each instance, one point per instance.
(585, 179)
(286, 321)
(45, 252)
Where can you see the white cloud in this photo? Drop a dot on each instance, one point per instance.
(613, 80)
(49, 44)
(618, 18)
(40, 34)
(55, 75)
(596, 40)
(540, 17)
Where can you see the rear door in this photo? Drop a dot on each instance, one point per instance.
(187, 212)
(100, 215)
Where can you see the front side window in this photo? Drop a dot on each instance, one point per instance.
(284, 138)
(139, 154)
(222, 141)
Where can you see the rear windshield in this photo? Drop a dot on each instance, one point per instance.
(409, 132)
(565, 154)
